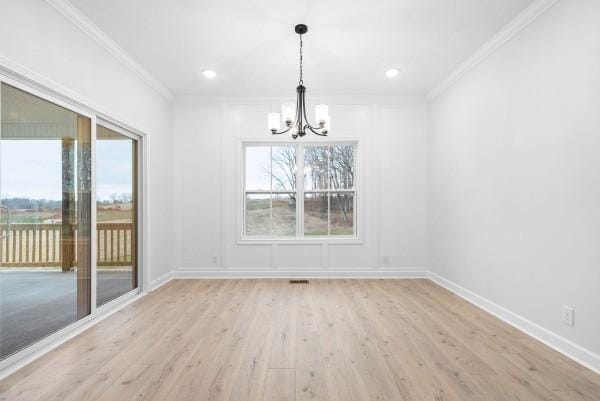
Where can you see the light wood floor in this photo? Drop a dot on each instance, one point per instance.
(338, 340)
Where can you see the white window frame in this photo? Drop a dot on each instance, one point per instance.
(299, 238)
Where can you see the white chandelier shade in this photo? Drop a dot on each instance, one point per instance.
(288, 113)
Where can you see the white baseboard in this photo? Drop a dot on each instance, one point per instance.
(268, 273)
(566, 347)
(162, 280)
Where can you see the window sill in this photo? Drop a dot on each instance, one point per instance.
(300, 241)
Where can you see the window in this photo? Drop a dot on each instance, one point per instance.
(281, 202)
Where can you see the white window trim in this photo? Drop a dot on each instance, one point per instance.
(243, 239)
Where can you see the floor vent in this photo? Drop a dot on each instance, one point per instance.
(298, 281)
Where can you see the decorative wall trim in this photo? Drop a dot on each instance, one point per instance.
(94, 32)
(296, 273)
(520, 22)
(566, 347)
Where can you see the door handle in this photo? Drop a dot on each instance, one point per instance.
(2, 236)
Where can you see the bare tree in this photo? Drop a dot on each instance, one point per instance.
(284, 167)
(282, 170)
(341, 167)
(315, 160)
(331, 167)
(327, 167)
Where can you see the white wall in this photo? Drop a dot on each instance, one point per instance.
(39, 41)
(515, 174)
(392, 144)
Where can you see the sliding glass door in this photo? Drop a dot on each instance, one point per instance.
(45, 246)
(61, 255)
(116, 194)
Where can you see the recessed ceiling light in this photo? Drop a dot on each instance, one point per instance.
(392, 73)
(210, 74)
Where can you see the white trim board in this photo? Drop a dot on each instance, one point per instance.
(508, 32)
(159, 282)
(566, 347)
(233, 273)
(82, 22)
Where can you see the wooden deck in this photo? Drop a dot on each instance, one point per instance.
(337, 340)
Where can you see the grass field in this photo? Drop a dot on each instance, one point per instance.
(115, 214)
(34, 216)
(260, 222)
(105, 214)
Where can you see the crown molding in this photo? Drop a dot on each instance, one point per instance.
(350, 99)
(78, 19)
(508, 32)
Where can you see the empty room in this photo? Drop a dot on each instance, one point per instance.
(309, 200)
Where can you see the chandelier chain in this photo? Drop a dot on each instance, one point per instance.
(301, 82)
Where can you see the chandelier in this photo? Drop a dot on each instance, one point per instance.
(294, 116)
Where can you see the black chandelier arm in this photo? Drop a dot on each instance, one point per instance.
(304, 110)
(315, 130)
(310, 127)
(281, 132)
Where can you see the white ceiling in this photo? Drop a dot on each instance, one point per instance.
(252, 47)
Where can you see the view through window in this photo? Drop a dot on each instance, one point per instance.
(45, 227)
(116, 158)
(47, 270)
(274, 185)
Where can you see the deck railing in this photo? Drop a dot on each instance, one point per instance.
(40, 245)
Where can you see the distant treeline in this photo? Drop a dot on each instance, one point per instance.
(26, 203)
(37, 204)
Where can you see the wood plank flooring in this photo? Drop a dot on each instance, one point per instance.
(334, 340)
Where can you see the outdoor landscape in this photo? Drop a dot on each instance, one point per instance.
(328, 209)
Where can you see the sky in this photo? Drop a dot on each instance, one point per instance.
(258, 163)
(258, 169)
(32, 168)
